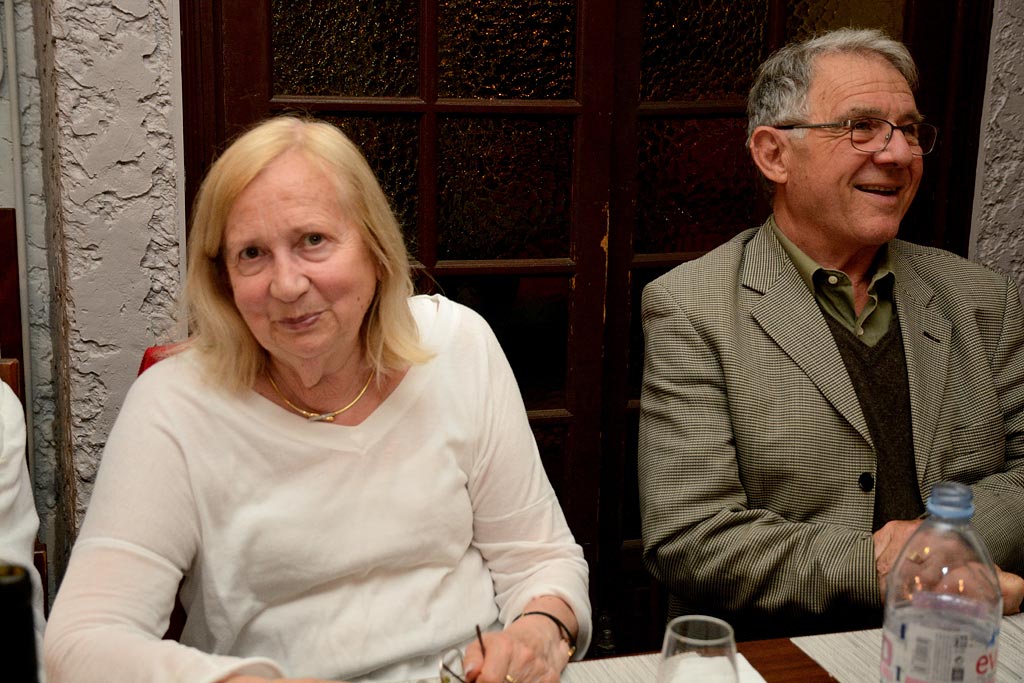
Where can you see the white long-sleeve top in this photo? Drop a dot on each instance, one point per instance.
(19, 521)
(314, 549)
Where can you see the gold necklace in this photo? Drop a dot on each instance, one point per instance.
(320, 417)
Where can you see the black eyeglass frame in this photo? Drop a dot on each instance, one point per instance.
(849, 123)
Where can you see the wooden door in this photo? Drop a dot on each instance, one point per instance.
(547, 159)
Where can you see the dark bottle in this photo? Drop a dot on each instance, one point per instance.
(17, 633)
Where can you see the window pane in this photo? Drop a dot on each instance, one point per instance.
(389, 144)
(697, 184)
(701, 50)
(807, 17)
(504, 187)
(631, 524)
(355, 49)
(530, 317)
(641, 277)
(520, 49)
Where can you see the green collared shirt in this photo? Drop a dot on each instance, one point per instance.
(834, 291)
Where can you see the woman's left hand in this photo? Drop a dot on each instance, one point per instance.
(530, 650)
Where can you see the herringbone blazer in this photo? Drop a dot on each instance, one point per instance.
(752, 439)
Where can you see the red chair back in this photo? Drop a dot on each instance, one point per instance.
(154, 354)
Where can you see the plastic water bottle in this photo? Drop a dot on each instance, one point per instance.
(943, 605)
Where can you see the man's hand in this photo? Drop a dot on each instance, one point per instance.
(1012, 588)
(889, 540)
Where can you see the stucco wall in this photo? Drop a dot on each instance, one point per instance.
(120, 203)
(997, 231)
(33, 215)
(113, 155)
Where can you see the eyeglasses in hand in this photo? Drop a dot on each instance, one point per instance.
(450, 669)
(872, 135)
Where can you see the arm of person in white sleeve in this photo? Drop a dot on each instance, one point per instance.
(19, 521)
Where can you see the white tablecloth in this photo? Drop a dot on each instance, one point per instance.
(636, 669)
(853, 657)
(632, 669)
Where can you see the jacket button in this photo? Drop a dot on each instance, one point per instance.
(866, 482)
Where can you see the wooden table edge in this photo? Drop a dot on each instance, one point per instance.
(779, 660)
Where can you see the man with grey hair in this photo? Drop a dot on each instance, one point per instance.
(808, 382)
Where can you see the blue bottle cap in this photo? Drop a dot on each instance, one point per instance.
(951, 500)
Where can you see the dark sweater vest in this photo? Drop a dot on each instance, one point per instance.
(879, 376)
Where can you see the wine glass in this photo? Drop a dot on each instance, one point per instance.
(698, 649)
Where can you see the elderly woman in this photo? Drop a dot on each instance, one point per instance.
(339, 475)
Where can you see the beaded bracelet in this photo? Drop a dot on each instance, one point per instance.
(569, 639)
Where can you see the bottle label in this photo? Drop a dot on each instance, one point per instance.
(917, 653)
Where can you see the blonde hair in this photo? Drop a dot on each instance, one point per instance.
(231, 354)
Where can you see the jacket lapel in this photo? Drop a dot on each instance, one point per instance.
(789, 314)
(926, 339)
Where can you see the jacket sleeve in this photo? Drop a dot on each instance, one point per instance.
(999, 497)
(701, 537)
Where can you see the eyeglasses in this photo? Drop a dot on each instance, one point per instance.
(450, 668)
(871, 135)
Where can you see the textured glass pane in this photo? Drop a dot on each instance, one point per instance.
(389, 144)
(520, 49)
(697, 184)
(640, 278)
(504, 188)
(630, 483)
(530, 317)
(807, 17)
(701, 49)
(356, 49)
